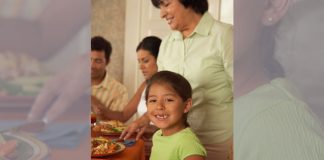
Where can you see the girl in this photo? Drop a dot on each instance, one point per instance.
(168, 98)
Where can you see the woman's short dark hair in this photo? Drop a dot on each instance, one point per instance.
(199, 6)
(99, 43)
(151, 44)
(175, 81)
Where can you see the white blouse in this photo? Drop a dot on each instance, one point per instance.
(141, 108)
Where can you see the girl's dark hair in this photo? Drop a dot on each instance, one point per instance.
(151, 44)
(175, 81)
(199, 6)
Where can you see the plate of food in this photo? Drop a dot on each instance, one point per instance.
(22, 78)
(20, 92)
(21, 146)
(111, 127)
(102, 147)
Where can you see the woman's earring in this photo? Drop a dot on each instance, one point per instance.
(267, 21)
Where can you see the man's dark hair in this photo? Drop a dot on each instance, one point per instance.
(99, 43)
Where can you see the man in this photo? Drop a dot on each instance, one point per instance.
(106, 92)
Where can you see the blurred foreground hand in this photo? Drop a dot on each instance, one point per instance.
(60, 92)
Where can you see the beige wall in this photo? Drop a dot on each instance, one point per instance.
(108, 20)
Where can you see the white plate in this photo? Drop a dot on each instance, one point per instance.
(28, 147)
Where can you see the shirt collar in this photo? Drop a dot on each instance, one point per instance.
(203, 28)
(267, 95)
(103, 83)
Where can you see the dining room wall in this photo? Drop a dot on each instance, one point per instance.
(108, 20)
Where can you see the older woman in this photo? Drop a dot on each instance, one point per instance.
(271, 121)
(299, 49)
(200, 49)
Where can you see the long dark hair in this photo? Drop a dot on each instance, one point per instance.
(151, 44)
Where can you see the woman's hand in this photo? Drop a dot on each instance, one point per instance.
(60, 92)
(139, 126)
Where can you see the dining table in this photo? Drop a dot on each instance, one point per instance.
(82, 150)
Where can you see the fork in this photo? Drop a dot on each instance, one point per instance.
(127, 142)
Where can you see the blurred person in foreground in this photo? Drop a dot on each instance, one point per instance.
(271, 120)
(106, 92)
(299, 49)
(50, 43)
(39, 32)
(200, 49)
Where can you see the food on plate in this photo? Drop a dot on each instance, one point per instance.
(21, 146)
(109, 127)
(6, 147)
(18, 65)
(21, 75)
(103, 146)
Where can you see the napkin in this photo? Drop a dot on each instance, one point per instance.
(129, 142)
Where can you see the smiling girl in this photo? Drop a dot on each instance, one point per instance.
(168, 98)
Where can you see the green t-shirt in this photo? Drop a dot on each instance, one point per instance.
(177, 146)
